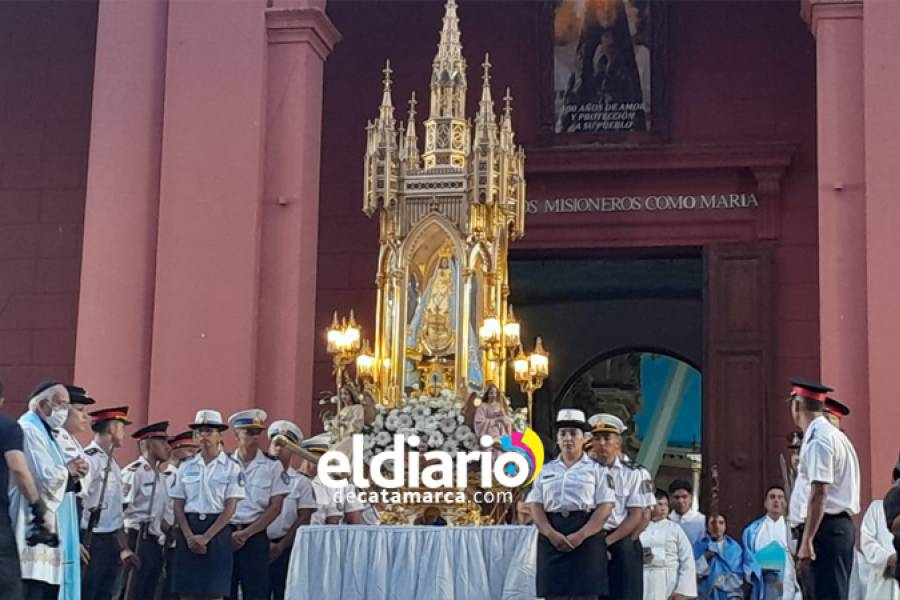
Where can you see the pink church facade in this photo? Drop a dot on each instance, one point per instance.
(181, 191)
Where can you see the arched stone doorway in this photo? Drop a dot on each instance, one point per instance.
(658, 395)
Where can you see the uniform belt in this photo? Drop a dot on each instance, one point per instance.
(204, 516)
(565, 514)
(842, 515)
(240, 526)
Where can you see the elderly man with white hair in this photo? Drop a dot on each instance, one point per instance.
(48, 570)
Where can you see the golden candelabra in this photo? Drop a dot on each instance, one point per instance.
(344, 345)
(530, 371)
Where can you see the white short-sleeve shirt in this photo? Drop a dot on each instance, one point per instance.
(301, 497)
(579, 487)
(826, 456)
(265, 478)
(205, 487)
(111, 516)
(627, 483)
(325, 501)
(73, 449)
(140, 481)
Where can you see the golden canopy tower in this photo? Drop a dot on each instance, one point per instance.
(447, 216)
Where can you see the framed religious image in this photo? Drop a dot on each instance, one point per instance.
(607, 72)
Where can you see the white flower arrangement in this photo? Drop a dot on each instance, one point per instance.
(438, 421)
(520, 419)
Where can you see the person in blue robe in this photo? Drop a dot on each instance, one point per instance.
(720, 562)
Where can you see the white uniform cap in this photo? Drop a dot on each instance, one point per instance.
(571, 417)
(252, 418)
(287, 429)
(208, 418)
(604, 423)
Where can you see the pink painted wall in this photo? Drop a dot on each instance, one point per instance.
(882, 154)
(46, 71)
(205, 321)
(115, 320)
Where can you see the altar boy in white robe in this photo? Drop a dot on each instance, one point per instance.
(877, 556)
(769, 538)
(669, 571)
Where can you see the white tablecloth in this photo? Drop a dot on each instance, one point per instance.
(356, 562)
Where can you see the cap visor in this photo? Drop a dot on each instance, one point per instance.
(573, 425)
(215, 426)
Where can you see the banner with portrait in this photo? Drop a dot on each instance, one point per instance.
(603, 69)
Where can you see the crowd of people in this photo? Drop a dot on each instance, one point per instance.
(186, 519)
(598, 513)
(189, 519)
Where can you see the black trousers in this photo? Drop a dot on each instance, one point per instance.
(278, 570)
(39, 590)
(145, 578)
(828, 577)
(10, 574)
(250, 572)
(102, 573)
(626, 570)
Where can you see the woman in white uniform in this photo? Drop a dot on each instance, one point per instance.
(206, 492)
(570, 502)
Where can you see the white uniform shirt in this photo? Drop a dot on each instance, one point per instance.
(693, 522)
(629, 488)
(111, 516)
(580, 487)
(325, 500)
(73, 449)
(301, 497)
(205, 487)
(169, 478)
(826, 456)
(671, 569)
(265, 478)
(139, 482)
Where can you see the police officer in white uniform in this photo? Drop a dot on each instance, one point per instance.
(336, 505)
(207, 489)
(77, 422)
(103, 521)
(297, 509)
(626, 578)
(825, 497)
(267, 486)
(181, 447)
(146, 498)
(570, 502)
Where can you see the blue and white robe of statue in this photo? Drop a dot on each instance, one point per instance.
(721, 576)
(775, 580)
(61, 565)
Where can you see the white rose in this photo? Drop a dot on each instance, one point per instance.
(391, 422)
(435, 439)
(404, 421)
(448, 425)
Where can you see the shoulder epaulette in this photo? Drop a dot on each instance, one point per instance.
(92, 451)
(133, 466)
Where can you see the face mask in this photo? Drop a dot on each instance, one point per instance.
(58, 417)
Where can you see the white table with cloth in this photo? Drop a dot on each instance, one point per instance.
(383, 562)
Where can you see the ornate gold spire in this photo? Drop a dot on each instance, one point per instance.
(449, 214)
(485, 120)
(409, 146)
